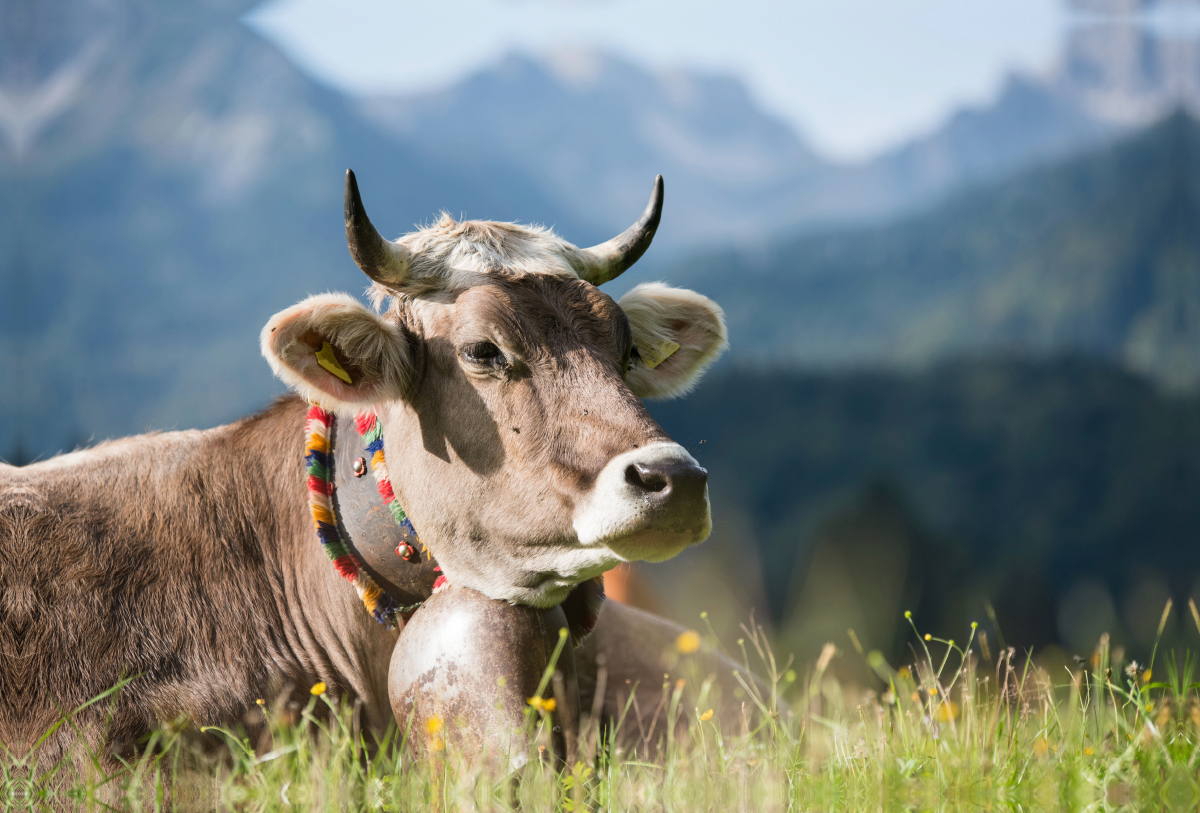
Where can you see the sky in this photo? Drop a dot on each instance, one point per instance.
(853, 76)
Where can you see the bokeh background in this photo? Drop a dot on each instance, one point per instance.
(958, 242)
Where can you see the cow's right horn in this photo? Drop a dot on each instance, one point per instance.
(381, 260)
(610, 259)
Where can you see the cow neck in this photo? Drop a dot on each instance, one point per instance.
(368, 536)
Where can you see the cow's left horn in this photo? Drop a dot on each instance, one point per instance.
(608, 260)
(381, 260)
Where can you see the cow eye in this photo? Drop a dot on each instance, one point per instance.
(483, 353)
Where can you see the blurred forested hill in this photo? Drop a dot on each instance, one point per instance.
(994, 400)
(1099, 254)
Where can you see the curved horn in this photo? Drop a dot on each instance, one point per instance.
(381, 260)
(608, 260)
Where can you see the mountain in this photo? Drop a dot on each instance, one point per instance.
(858, 495)
(1099, 254)
(593, 129)
(1031, 122)
(169, 181)
(588, 128)
(1119, 71)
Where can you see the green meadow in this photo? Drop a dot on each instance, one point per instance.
(960, 725)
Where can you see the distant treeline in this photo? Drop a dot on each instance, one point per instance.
(976, 480)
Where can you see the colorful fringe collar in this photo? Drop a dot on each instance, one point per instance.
(318, 456)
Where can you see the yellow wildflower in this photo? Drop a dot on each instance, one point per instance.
(543, 705)
(688, 642)
(1146, 676)
(261, 702)
(1040, 747)
(928, 637)
(706, 716)
(318, 688)
(434, 740)
(946, 711)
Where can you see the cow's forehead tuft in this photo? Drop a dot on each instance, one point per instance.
(450, 255)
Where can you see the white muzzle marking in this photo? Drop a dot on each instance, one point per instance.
(649, 504)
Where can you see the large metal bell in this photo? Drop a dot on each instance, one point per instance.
(464, 670)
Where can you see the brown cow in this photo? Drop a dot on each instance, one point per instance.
(508, 388)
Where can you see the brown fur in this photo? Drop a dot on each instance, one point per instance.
(186, 559)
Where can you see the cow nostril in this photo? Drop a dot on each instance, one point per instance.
(661, 481)
(647, 478)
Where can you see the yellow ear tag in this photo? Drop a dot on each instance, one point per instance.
(328, 360)
(654, 356)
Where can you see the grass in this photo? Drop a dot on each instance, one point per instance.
(959, 726)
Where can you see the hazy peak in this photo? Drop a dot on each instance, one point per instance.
(595, 128)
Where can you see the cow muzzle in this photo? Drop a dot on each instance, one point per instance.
(646, 504)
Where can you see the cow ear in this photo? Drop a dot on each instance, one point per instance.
(677, 334)
(337, 353)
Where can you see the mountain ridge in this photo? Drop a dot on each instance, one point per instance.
(594, 133)
(1097, 254)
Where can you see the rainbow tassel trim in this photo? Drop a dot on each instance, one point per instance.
(318, 425)
(368, 425)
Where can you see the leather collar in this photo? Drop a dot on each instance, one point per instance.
(368, 528)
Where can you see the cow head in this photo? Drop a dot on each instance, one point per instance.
(509, 388)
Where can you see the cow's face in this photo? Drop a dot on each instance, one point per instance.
(509, 390)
